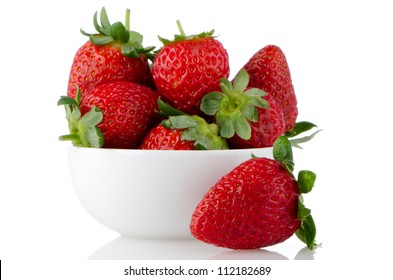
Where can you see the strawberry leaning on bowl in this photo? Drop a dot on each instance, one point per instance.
(112, 115)
(269, 71)
(247, 117)
(189, 67)
(257, 204)
(113, 54)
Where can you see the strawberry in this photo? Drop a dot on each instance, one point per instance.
(114, 54)
(189, 67)
(128, 111)
(268, 127)
(257, 204)
(246, 116)
(269, 71)
(162, 138)
(183, 132)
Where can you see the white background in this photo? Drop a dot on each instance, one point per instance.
(340, 54)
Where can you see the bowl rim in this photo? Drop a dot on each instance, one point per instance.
(172, 152)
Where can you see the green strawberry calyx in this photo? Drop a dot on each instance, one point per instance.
(235, 106)
(195, 129)
(182, 36)
(301, 127)
(118, 34)
(282, 152)
(83, 129)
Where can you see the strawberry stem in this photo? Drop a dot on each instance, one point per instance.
(182, 33)
(127, 19)
(69, 137)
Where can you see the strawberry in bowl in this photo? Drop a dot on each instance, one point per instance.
(188, 68)
(114, 53)
(173, 149)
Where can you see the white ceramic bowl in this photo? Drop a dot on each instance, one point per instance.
(149, 194)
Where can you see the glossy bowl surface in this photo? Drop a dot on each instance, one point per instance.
(145, 193)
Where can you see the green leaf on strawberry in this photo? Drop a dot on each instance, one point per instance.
(235, 106)
(166, 110)
(302, 210)
(306, 232)
(282, 152)
(295, 142)
(195, 128)
(120, 34)
(182, 36)
(83, 129)
(306, 180)
(299, 128)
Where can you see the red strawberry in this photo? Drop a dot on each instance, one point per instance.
(128, 111)
(253, 206)
(256, 205)
(162, 138)
(114, 54)
(269, 71)
(183, 132)
(188, 68)
(268, 127)
(246, 117)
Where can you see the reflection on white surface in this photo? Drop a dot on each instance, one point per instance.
(123, 248)
(305, 254)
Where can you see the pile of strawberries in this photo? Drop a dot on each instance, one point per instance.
(178, 97)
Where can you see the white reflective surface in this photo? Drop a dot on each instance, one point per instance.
(141, 249)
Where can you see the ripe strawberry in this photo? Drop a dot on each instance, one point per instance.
(128, 111)
(162, 138)
(246, 116)
(182, 132)
(257, 204)
(269, 71)
(268, 127)
(189, 67)
(114, 54)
